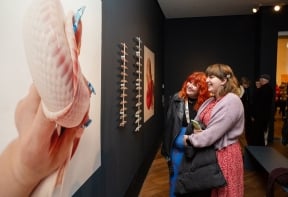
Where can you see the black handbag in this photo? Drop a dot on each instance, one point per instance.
(199, 172)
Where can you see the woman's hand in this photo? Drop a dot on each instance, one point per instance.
(185, 139)
(197, 131)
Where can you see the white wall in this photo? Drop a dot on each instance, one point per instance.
(15, 80)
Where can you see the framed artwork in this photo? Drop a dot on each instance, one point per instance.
(149, 79)
(15, 72)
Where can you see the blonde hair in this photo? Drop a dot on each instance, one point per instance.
(223, 71)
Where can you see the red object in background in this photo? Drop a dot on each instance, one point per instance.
(150, 94)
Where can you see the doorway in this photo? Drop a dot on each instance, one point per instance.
(282, 74)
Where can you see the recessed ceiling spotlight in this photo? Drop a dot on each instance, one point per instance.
(277, 8)
(254, 10)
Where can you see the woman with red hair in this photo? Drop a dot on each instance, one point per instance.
(182, 108)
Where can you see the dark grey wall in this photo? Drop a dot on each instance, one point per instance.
(193, 44)
(247, 43)
(126, 154)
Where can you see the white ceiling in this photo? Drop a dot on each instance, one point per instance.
(202, 8)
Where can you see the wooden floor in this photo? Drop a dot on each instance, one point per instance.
(156, 183)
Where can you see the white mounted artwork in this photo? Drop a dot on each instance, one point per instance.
(123, 85)
(15, 81)
(138, 85)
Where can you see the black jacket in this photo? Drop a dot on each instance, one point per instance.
(173, 124)
(174, 121)
(262, 103)
(199, 171)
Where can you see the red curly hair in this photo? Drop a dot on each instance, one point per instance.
(199, 79)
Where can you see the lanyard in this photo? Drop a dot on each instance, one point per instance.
(187, 111)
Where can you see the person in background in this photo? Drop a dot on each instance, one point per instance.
(282, 100)
(223, 116)
(262, 110)
(246, 100)
(277, 99)
(182, 108)
(257, 84)
(254, 97)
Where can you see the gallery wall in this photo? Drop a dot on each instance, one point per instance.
(127, 154)
(247, 43)
(193, 44)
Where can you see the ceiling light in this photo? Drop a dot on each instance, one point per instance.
(254, 10)
(277, 8)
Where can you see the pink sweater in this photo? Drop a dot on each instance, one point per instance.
(226, 123)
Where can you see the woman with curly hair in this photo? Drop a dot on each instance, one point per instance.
(182, 109)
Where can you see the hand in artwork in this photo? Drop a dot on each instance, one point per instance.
(39, 150)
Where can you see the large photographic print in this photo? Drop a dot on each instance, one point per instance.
(15, 81)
